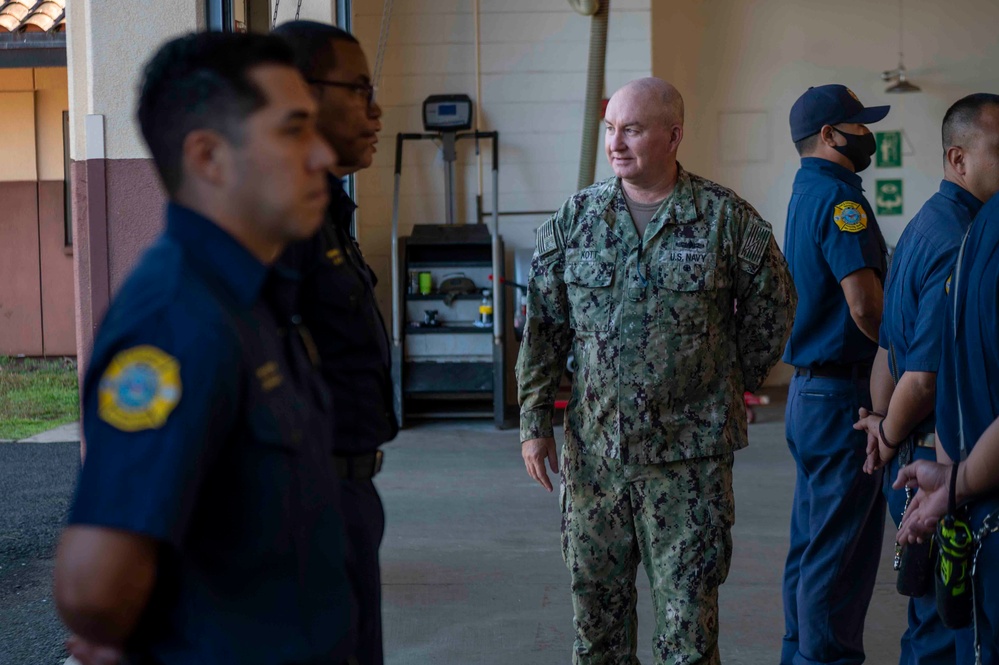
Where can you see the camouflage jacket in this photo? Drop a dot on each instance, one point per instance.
(663, 354)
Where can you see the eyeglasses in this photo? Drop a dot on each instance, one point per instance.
(366, 90)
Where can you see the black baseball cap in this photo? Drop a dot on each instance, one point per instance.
(830, 105)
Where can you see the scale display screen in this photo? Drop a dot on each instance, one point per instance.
(447, 113)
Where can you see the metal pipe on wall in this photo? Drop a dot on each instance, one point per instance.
(478, 96)
(396, 285)
(594, 95)
(498, 257)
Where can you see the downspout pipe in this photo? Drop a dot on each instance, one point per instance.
(594, 94)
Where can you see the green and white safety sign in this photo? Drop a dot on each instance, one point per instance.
(888, 197)
(889, 152)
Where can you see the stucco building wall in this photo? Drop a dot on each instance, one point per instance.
(36, 263)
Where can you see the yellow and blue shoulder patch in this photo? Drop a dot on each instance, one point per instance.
(850, 217)
(335, 257)
(139, 389)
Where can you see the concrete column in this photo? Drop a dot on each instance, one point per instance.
(117, 198)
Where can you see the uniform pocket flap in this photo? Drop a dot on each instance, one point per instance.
(589, 273)
(686, 276)
(268, 431)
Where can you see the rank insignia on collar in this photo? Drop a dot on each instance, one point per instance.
(269, 376)
(139, 389)
(850, 217)
(335, 256)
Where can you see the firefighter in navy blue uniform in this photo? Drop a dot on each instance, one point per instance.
(967, 411)
(902, 429)
(339, 307)
(205, 526)
(967, 400)
(836, 254)
(903, 381)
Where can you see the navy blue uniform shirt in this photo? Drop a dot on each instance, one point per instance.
(338, 305)
(831, 232)
(207, 431)
(969, 359)
(914, 293)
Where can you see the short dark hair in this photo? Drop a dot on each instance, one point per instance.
(963, 116)
(200, 81)
(807, 145)
(312, 43)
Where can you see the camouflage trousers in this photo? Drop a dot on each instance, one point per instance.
(676, 518)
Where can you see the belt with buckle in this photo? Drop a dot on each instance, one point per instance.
(358, 467)
(835, 371)
(928, 440)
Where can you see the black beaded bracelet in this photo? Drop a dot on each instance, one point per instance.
(884, 439)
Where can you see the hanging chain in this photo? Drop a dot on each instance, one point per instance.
(989, 526)
(896, 563)
(277, 3)
(382, 41)
(905, 454)
(899, 31)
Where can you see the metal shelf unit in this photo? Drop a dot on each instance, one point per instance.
(456, 369)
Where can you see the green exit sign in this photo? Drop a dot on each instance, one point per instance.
(889, 153)
(888, 197)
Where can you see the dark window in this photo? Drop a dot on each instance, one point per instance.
(237, 15)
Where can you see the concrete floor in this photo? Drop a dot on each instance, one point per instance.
(472, 570)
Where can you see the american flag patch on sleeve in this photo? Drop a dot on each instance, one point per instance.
(547, 241)
(755, 243)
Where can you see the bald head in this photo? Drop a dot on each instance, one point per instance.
(653, 96)
(644, 122)
(971, 144)
(962, 124)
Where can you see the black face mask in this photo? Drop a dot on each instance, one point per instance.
(858, 149)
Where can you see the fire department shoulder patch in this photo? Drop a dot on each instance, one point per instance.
(139, 389)
(850, 217)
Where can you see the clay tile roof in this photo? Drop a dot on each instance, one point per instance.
(32, 15)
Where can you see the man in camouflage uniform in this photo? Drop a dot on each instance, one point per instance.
(639, 276)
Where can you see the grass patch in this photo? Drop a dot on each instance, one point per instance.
(36, 395)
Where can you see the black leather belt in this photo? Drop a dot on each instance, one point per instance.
(358, 467)
(835, 371)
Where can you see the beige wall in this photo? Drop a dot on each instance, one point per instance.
(36, 305)
(16, 80)
(533, 74)
(740, 66)
(31, 105)
(51, 99)
(106, 69)
(17, 160)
